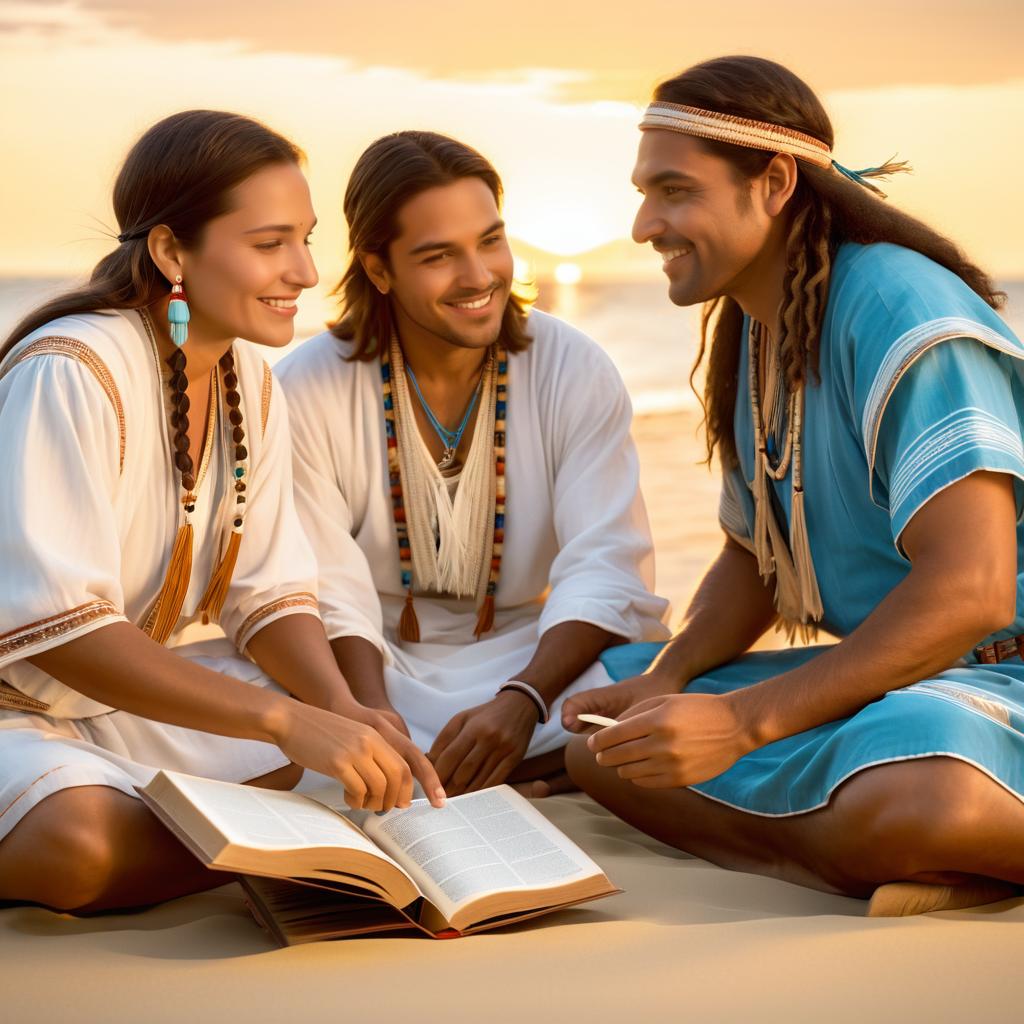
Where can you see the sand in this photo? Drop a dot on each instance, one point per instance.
(686, 941)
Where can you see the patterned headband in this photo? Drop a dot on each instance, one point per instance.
(740, 131)
(743, 131)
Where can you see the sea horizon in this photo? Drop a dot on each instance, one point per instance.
(622, 316)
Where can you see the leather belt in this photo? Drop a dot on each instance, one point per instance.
(14, 700)
(992, 654)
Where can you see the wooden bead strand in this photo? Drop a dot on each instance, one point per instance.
(216, 593)
(234, 403)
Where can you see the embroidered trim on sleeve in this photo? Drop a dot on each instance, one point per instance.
(303, 599)
(75, 349)
(53, 627)
(903, 354)
(964, 430)
(268, 387)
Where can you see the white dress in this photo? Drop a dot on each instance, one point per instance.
(577, 543)
(88, 515)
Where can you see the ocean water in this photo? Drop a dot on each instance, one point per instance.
(652, 342)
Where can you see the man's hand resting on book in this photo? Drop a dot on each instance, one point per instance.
(375, 765)
(479, 747)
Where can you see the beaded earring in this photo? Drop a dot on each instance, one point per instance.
(178, 313)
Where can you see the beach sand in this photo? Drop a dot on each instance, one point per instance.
(681, 493)
(685, 941)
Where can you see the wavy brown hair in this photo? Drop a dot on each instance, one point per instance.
(393, 170)
(825, 210)
(180, 173)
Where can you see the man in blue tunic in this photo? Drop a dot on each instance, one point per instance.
(865, 402)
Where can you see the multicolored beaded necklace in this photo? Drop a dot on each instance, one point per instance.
(408, 627)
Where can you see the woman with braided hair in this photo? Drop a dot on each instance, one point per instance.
(865, 401)
(146, 463)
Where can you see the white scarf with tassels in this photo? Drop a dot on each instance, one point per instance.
(450, 536)
(797, 597)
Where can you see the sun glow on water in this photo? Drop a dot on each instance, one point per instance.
(568, 273)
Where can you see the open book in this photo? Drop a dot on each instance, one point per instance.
(315, 870)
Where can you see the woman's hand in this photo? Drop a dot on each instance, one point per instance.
(375, 765)
(612, 701)
(671, 741)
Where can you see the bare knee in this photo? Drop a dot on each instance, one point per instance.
(901, 819)
(286, 777)
(581, 764)
(62, 854)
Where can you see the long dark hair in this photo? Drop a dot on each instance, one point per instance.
(825, 210)
(180, 174)
(393, 170)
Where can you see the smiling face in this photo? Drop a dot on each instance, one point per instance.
(709, 226)
(253, 262)
(449, 270)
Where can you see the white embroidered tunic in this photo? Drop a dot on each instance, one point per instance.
(91, 501)
(577, 543)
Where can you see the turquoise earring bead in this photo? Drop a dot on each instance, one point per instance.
(178, 314)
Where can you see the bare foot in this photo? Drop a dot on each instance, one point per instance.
(903, 899)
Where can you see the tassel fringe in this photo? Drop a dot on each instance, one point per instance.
(762, 547)
(810, 596)
(408, 624)
(175, 586)
(485, 620)
(216, 594)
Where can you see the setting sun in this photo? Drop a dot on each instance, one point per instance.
(568, 273)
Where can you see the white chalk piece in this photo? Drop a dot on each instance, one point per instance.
(596, 720)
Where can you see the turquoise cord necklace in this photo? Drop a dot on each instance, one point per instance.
(451, 439)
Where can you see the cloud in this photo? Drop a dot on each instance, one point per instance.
(625, 49)
(85, 95)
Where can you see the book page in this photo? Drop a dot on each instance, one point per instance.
(490, 841)
(267, 819)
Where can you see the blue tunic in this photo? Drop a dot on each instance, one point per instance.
(921, 385)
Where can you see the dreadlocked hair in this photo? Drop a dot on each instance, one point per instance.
(825, 210)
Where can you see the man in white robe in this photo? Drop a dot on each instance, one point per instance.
(574, 563)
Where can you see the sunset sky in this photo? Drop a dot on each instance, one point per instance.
(550, 91)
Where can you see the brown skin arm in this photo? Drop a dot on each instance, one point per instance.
(362, 663)
(480, 746)
(961, 587)
(294, 651)
(363, 666)
(731, 609)
(118, 665)
(121, 667)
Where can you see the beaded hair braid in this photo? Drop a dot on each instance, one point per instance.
(167, 609)
(180, 423)
(805, 290)
(408, 626)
